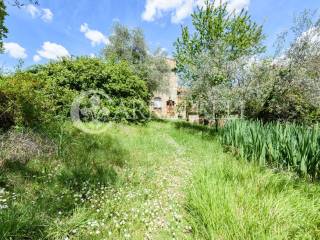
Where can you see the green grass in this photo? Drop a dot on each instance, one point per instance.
(116, 185)
(232, 199)
(155, 181)
(48, 189)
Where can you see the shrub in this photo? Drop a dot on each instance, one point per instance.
(67, 78)
(276, 93)
(45, 93)
(23, 145)
(23, 101)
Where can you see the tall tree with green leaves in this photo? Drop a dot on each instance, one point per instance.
(3, 28)
(129, 45)
(208, 57)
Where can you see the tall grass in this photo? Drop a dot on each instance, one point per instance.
(41, 192)
(234, 199)
(229, 198)
(287, 146)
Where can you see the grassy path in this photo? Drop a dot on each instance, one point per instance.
(149, 200)
(163, 182)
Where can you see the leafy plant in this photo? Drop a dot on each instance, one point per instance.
(126, 94)
(23, 101)
(130, 46)
(284, 146)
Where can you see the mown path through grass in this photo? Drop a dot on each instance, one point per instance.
(149, 198)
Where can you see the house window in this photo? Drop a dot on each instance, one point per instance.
(157, 103)
(170, 103)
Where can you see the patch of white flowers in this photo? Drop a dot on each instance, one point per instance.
(3, 199)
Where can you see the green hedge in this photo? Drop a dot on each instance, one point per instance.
(46, 92)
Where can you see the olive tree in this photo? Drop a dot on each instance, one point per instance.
(208, 57)
(286, 87)
(130, 45)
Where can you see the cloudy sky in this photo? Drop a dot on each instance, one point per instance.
(58, 28)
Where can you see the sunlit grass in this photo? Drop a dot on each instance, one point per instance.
(154, 181)
(105, 186)
(232, 199)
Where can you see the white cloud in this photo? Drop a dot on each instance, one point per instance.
(47, 15)
(156, 8)
(94, 36)
(238, 5)
(33, 10)
(182, 12)
(14, 50)
(36, 58)
(52, 51)
(180, 9)
(44, 13)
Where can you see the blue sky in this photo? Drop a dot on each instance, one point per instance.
(81, 27)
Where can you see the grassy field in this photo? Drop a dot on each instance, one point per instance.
(155, 181)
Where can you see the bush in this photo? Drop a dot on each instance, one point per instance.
(277, 94)
(45, 93)
(23, 102)
(67, 78)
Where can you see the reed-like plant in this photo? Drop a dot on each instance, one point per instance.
(286, 146)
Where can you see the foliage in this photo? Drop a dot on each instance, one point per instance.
(126, 93)
(227, 79)
(207, 59)
(23, 101)
(232, 199)
(3, 28)
(129, 45)
(287, 87)
(126, 45)
(221, 36)
(288, 146)
(273, 92)
(45, 93)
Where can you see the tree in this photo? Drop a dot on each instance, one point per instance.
(126, 45)
(3, 28)
(130, 45)
(288, 85)
(209, 57)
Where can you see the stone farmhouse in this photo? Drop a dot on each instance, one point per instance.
(170, 104)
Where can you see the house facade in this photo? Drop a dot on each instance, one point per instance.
(170, 104)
